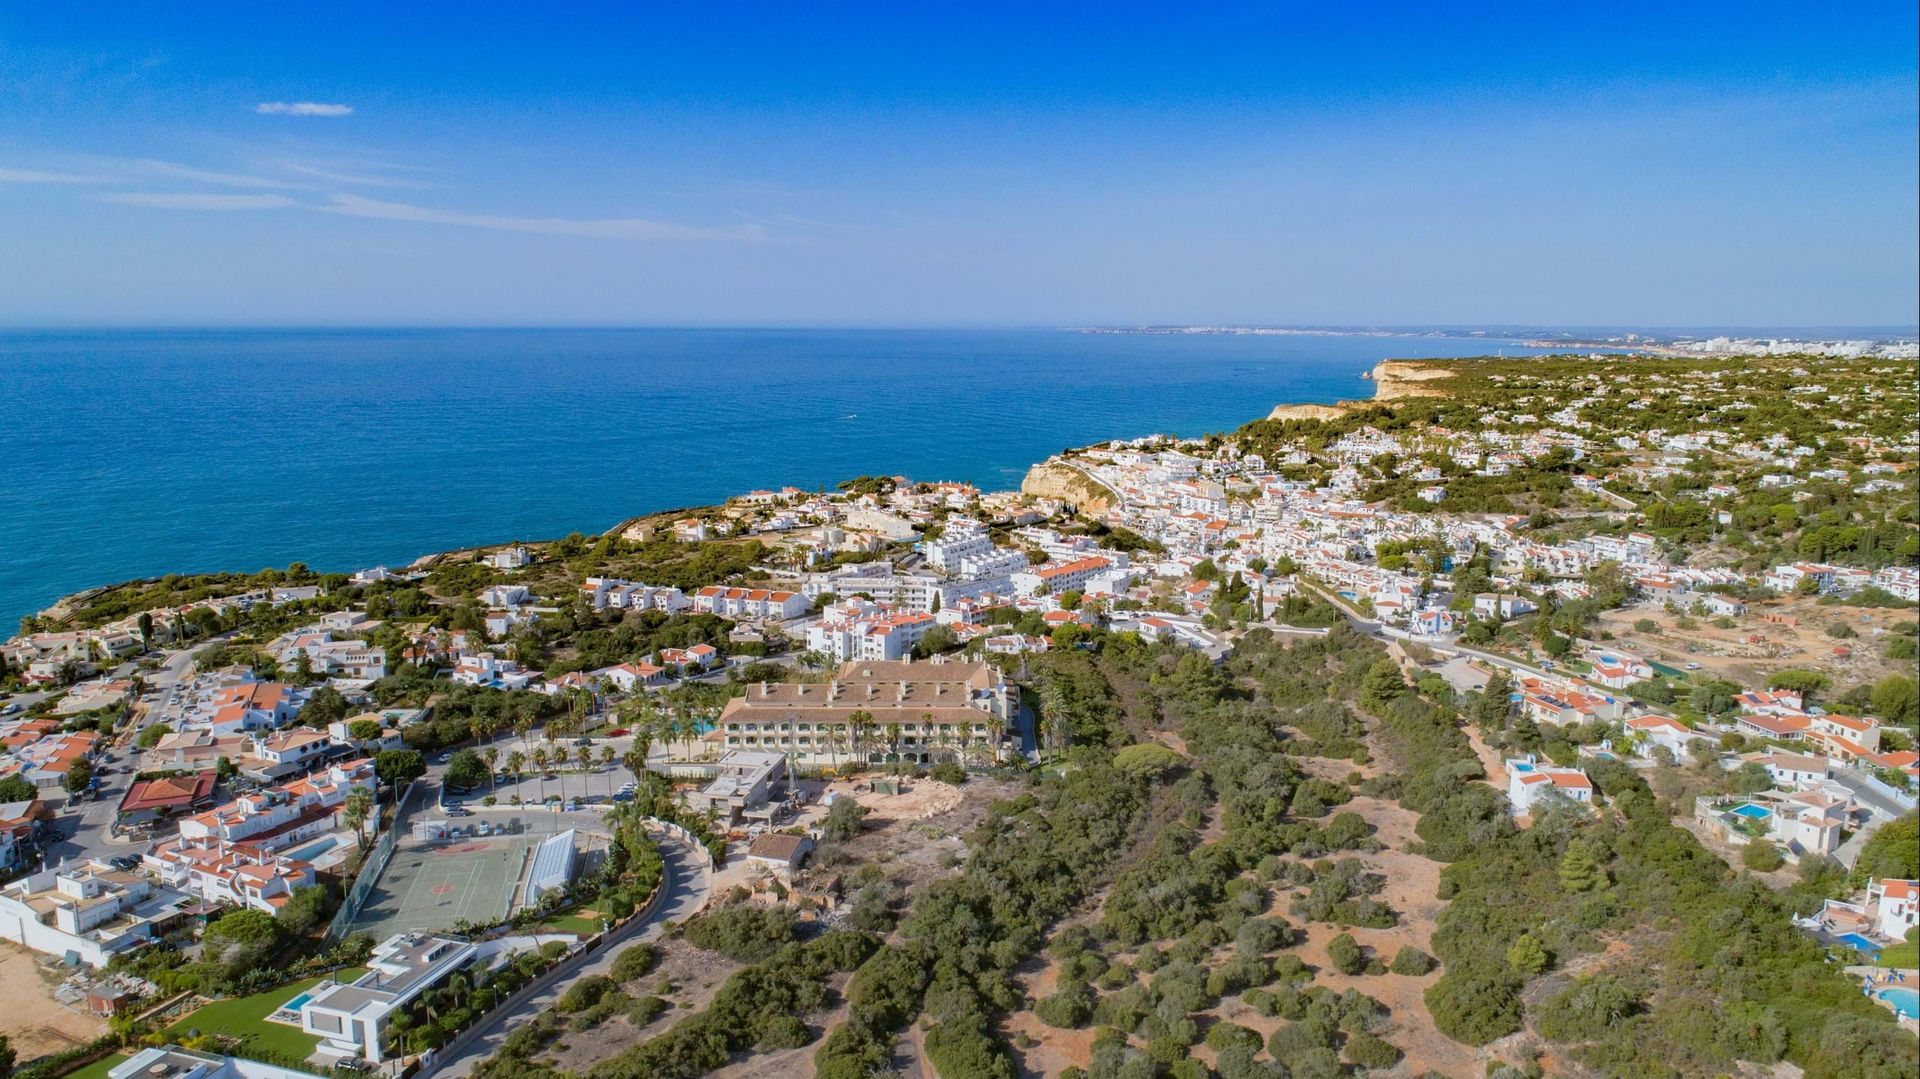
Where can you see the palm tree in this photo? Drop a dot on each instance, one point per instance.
(832, 736)
(606, 755)
(860, 727)
(516, 766)
(642, 747)
(893, 746)
(358, 805)
(492, 754)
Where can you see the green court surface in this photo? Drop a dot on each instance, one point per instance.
(434, 887)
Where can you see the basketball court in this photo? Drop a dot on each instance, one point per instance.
(434, 886)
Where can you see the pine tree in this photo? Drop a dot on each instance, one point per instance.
(1491, 710)
(1382, 684)
(1527, 956)
(1579, 870)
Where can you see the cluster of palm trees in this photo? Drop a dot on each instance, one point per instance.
(443, 1011)
(548, 761)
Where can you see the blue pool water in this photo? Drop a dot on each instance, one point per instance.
(314, 850)
(295, 1004)
(240, 449)
(1904, 1001)
(1752, 812)
(1859, 943)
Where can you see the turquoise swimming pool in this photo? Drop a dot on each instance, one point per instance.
(1751, 811)
(1859, 943)
(314, 850)
(1905, 1001)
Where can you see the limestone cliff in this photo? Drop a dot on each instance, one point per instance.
(1393, 379)
(1057, 479)
(1307, 412)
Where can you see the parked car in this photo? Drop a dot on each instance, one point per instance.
(459, 811)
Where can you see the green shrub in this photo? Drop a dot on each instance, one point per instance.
(1761, 856)
(584, 993)
(1370, 1052)
(1344, 954)
(1411, 961)
(1068, 1008)
(634, 962)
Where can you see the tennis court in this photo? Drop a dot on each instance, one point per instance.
(435, 886)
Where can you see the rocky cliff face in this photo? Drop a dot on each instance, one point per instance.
(1307, 412)
(1394, 379)
(1060, 480)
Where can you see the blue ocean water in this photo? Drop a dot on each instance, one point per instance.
(136, 453)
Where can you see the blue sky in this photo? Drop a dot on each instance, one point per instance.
(976, 164)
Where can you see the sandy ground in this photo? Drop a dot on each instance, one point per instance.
(1793, 633)
(36, 1023)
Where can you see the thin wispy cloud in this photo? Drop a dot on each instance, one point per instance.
(353, 179)
(219, 179)
(620, 228)
(39, 176)
(161, 200)
(302, 108)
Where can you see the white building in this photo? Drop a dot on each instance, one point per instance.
(352, 1019)
(509, 558)
(1057, 577)
(1528, 781)
(760, 604)
(1896, 906)
(88, 913)
(613, 593)
(856, 630)
(173, 1062)
(219, 872)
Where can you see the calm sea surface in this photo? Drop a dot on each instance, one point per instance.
(131, 454)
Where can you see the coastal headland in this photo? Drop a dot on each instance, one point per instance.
(1392, 380)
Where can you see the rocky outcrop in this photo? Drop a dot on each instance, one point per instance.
(1395, 379)
(1057, 479)
(1307, 412)
(1392, 380)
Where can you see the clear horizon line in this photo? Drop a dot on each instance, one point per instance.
(1508, 328)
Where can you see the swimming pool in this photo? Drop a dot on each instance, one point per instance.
(1904, 1001)
(314, 850)
(1751, 811)
(295, 1004)
(1859, 943)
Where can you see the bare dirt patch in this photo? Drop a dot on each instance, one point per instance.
(1769, 637)
(36, 1023)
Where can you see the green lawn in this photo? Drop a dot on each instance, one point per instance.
(246, 1018)
(98, 1069)
(1900, 957)
(572, 922)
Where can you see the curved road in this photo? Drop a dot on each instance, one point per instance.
(687, 883)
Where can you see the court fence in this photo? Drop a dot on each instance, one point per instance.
(371, 868)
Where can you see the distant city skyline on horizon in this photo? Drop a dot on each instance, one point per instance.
(1721, 166)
